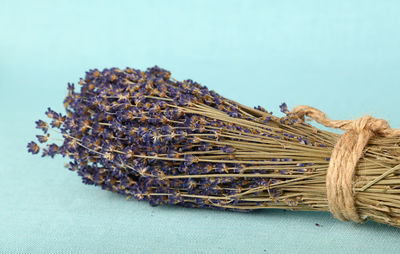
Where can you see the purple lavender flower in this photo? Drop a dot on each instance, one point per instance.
(42, 125)
(42, 138)
(33, 147)
(284, 108)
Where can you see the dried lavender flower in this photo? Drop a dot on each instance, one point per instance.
(147, 136)
(33, 147)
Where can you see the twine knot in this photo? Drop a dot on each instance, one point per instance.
(345, 155)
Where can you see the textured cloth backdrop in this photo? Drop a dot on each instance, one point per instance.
(339, 56)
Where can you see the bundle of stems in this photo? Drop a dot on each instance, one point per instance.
(150, 137)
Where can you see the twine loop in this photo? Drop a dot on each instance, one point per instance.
(345, 155)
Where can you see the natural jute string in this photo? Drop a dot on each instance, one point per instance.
(345, 155)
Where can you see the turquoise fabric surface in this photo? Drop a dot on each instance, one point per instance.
(340, 56)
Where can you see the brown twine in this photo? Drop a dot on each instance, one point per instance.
(345, 155)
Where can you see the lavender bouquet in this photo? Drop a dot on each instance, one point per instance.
(150, 137)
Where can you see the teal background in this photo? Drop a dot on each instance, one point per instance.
(340, 56)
